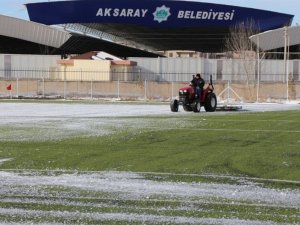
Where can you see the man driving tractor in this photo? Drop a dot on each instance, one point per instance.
(194, 96)
(199, 84)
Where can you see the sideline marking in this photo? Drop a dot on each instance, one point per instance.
(223, 129)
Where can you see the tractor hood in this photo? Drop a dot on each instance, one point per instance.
(187, 88)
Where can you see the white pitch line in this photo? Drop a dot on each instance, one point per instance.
(223, 129)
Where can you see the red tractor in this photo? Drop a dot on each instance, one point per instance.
(189, 102)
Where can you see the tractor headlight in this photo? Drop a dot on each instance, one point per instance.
(183, 92)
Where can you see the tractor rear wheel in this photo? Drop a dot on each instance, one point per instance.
(210, 104)
(174, 105)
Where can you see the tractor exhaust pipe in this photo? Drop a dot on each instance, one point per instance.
(211, 82)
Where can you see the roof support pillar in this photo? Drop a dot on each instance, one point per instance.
(285, 61)
(258, 70)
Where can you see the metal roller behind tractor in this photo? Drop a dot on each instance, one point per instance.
(189, 102)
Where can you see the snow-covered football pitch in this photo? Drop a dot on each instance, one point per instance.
(117, 197)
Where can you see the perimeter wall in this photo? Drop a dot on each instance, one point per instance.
(152, 79)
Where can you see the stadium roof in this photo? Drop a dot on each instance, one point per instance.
(24, 37)
(155, 25)
(33, 32)
(275, 39)
(128, 27)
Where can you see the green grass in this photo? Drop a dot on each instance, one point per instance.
(181, 148)
(262, 145)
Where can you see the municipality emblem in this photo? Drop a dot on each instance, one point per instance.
(161, 14)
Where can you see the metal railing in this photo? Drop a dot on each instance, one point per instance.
(138, 85)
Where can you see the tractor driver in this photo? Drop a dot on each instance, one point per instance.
(199, 83)
(193, 81)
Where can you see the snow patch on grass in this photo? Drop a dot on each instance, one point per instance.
(130, 217)
(135, 186)
(2, 161)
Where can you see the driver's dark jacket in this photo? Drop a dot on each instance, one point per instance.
(199, 83)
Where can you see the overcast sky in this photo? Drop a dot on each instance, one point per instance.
(16, 8)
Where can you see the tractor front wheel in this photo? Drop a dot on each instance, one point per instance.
(196, 106)
(174, 105)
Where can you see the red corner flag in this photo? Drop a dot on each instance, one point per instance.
(9, 87)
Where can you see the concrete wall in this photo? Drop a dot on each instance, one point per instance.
(29, 66)
(181, 69)
(123, 72)
(28, 61)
